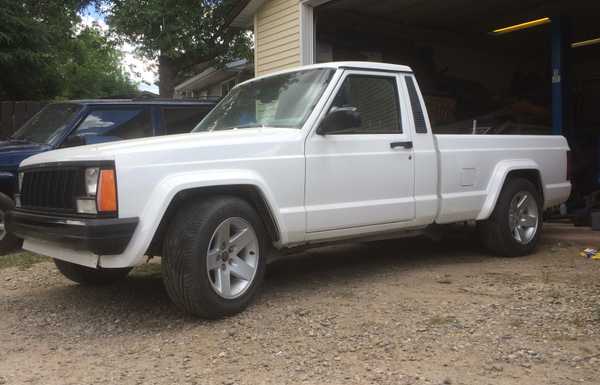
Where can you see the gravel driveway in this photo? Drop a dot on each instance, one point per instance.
(402, 312)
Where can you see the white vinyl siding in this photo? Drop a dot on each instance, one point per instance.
(277, 36)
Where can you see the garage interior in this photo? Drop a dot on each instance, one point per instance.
(488, 67)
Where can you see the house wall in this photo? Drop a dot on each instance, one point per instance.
(277, 36)
(214, 90)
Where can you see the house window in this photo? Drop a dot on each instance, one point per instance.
(227, 86)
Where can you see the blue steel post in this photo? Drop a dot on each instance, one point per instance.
(561, 45)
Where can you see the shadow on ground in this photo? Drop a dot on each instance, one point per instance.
(143, 293)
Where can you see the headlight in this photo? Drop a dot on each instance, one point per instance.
(101, 191)
(91, 180)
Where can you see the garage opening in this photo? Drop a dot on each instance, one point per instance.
(485, 66)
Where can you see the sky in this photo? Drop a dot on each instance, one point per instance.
(141, 71)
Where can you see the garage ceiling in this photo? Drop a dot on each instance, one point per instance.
(470, 15)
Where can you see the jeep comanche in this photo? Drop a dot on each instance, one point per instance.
(323, 153)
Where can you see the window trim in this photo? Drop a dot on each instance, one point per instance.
(339, 86)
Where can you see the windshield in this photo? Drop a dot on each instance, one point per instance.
(283, 100)
(47, 124)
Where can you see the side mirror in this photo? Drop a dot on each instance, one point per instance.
(74, 141)
(340, 119)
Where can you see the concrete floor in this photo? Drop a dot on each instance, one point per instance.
(566, 232)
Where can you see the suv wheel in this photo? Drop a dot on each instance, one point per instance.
(213, 257)
(8, 242)
(514, 227)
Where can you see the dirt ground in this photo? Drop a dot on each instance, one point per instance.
(401, 312)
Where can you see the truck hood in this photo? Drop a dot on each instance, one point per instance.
(208, 144)
(12, 153)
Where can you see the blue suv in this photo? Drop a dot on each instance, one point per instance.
(81, 122)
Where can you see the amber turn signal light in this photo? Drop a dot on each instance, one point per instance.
(107, 191)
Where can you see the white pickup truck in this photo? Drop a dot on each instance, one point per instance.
(323, 153)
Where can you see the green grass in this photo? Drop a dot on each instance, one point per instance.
(21, 260)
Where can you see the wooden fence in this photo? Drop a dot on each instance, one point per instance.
(14, 114)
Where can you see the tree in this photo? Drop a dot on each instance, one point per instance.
(179, 34)
(93, 68)
(29, 32)
(42, 55)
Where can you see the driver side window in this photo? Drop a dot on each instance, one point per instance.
(108, 124)
(375, 99)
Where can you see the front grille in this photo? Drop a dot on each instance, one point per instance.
(52, 189)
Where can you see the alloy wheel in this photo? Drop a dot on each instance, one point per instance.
(232, 257)
(523, 217)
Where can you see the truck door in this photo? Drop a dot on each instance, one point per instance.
(361, 175)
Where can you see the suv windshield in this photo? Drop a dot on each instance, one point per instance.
(277, 101)
(47, 124)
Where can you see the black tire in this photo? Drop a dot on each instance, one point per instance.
(495, 232)
(88, 276)
(8, 242)
(184, 265)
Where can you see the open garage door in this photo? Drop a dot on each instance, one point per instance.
(485, 66)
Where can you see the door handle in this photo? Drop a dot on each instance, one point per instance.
(407, 145)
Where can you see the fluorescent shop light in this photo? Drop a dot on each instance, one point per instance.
(586, 42)
(518, 27)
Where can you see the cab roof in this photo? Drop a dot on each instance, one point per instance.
(363, 65)
(142, 101)
(355, 65)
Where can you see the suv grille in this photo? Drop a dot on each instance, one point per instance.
(52, 189)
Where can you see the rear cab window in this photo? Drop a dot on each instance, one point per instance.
(415, 103)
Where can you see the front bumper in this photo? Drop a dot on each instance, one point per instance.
(102, 236)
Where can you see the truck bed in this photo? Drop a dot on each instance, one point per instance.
(471, 167)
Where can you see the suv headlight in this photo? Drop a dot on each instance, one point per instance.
(19, 189)
(101, 192)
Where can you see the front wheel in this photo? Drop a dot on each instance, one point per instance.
(8, 242)
(213, 256)
(514, 227)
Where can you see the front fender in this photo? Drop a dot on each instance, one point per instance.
(496, 182)
(164, 192)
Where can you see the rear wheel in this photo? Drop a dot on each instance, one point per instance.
(514, 227)
(213, 256)
(88, 276)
